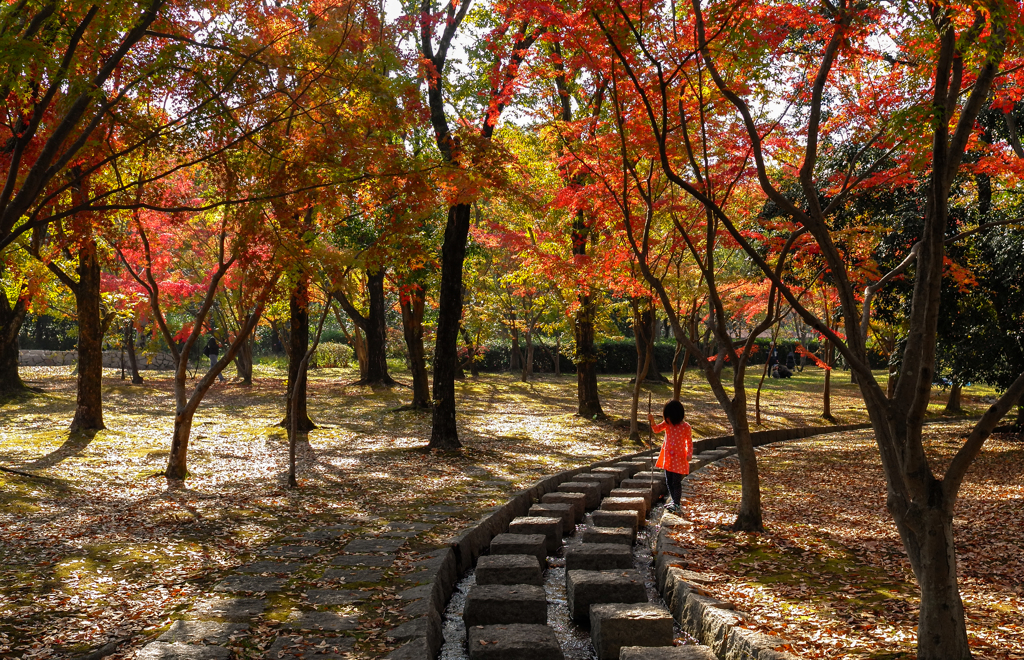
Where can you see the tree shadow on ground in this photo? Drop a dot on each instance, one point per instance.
(74, 445)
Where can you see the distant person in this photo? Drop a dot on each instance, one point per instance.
(677, 450)
(211, 351)
(791, 361)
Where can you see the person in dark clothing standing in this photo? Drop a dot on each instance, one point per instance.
(211, 351)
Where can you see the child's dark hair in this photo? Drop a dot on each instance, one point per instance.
(674, 411)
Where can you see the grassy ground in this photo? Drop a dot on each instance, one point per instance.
(99, 548)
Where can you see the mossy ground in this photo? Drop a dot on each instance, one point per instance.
(100, 547)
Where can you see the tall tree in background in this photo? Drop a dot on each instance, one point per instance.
(458, 152)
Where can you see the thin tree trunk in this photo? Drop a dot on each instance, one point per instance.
(953, 404)
(412, 325)
(359, 348)
(589, 400)
(294, 414)
(298, 344)
(515, 361)
(527, 373)
(89, 405)
(826, 411)
(133, 362)
(376, 332)
(11, 319)
(645, 340)
(748, 518)
(444, 433)
(641, 374)
(558, 355)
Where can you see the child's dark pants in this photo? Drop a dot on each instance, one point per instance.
(674, 481)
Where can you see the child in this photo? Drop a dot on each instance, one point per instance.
(676, 452)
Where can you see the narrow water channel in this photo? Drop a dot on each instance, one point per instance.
(574, 639)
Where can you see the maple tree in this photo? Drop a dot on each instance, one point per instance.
(950, 59)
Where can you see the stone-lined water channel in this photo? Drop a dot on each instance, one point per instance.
(574, 639)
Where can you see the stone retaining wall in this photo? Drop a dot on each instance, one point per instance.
(111, 359)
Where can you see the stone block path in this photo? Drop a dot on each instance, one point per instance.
(317, 590)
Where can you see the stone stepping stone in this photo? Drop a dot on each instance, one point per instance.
(509, 569)
(688, 652)
(604, 480)
(433, 517)
(231, 609)
(270, 567)
(648, 475)
(181, 651)
(632, 466)
(563, 511)
(586, 588)
(536, 642)
(250, 583)
(367, 546)
(621, 535)
(376, 561)
(308, 648)
(619, 473)
(634, 504)
(334, 596)
(658, 485)
(491, 604)
(201, 631)
(367, 575)
(598, 557)
(578, 501)
(605, 518)
(591, 490)
(645, 494)
(410, 526)
(292, 551)
(614, 625)
(521, 544)
(551, 528)
(331, 621)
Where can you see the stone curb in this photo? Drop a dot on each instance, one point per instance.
(713, 622)
(425, 636)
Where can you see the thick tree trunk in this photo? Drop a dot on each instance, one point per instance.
(645, 330)
(177, 466)
(133, 362)
(11, 318)
(589, 401)
(89, 406)
(412, 325)
(927, 533)
(376, 332)
(243, 363)
(298, 344)
(953, 404)
(748, 519)
(443, 433)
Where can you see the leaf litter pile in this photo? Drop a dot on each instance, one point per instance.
(97, 549)
(829, 576)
